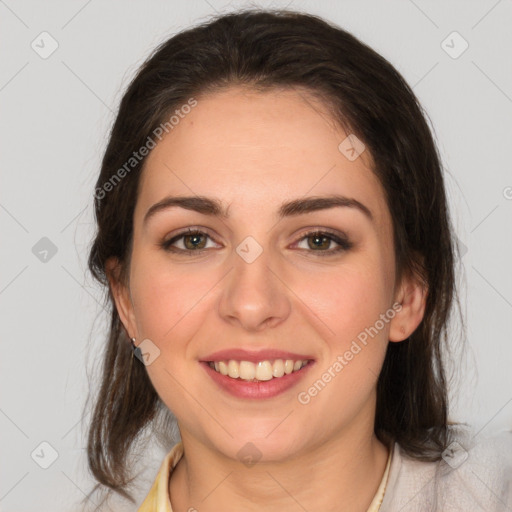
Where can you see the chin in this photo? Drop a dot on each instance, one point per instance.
(253, 445)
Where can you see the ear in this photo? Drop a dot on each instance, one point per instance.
(122, 297)
(412, 295)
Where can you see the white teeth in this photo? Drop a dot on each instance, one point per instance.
(261, 371)
(264, 370)
(223, 368)
(247, 370)
(233, 369)
(278, 368)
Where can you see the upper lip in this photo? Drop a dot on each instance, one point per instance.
(240, 354)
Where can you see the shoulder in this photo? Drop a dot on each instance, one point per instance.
(474, 473)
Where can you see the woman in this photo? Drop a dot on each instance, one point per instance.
(274, 234)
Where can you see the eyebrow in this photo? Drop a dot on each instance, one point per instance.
(213, 207)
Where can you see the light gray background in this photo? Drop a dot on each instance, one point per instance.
(55, 117)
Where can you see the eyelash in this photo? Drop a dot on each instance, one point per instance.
(344, 244)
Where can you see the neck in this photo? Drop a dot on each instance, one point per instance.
(342, 474)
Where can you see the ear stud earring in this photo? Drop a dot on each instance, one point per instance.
(136, 350)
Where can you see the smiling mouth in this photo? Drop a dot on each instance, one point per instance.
(260, 371)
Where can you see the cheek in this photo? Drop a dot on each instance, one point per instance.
(168, 307)
(166, 299)
(354, 303)
(351, 304)
(348, 299)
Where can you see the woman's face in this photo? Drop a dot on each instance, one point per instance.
(254, 286)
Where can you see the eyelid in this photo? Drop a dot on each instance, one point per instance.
(188, 231)
(340, 238)
(327, 231)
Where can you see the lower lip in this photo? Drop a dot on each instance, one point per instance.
(257, 390)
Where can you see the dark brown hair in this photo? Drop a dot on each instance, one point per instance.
(367, 97)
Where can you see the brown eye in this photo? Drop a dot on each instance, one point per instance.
(194, 241)
(191, 241)
(321, 241)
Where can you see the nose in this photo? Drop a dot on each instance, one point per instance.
(255, 296)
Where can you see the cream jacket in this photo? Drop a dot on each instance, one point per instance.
(474, 475)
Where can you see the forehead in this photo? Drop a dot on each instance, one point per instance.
(257, 149)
